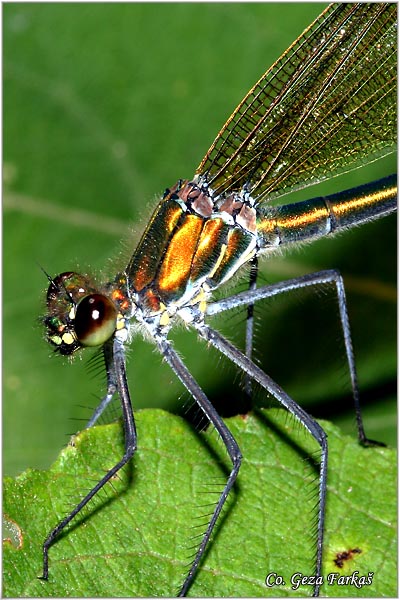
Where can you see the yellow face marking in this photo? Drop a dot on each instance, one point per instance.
(68, 338)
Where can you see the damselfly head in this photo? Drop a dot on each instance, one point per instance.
(77, 314)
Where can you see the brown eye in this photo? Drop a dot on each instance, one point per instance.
(95, 320)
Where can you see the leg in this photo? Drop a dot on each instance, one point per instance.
(230, 351)
(111, 386)
(233, 450)
(117, 352)
(320, 278)
(250, 324)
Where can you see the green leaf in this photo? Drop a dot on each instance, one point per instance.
(136, 537)
(107, 104)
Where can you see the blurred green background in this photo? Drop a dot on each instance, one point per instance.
(105, 105)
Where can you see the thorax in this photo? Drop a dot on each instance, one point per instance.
(192, 245)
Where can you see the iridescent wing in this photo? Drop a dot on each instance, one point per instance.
(326, 106)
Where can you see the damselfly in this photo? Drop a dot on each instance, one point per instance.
(326, 106)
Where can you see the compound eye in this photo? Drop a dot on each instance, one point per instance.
(95, 320)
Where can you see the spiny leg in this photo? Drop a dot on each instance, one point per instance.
(248, 388)
(330, 276)
(111, 386)
(229, 441)
(117, 352)
(231, 352)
